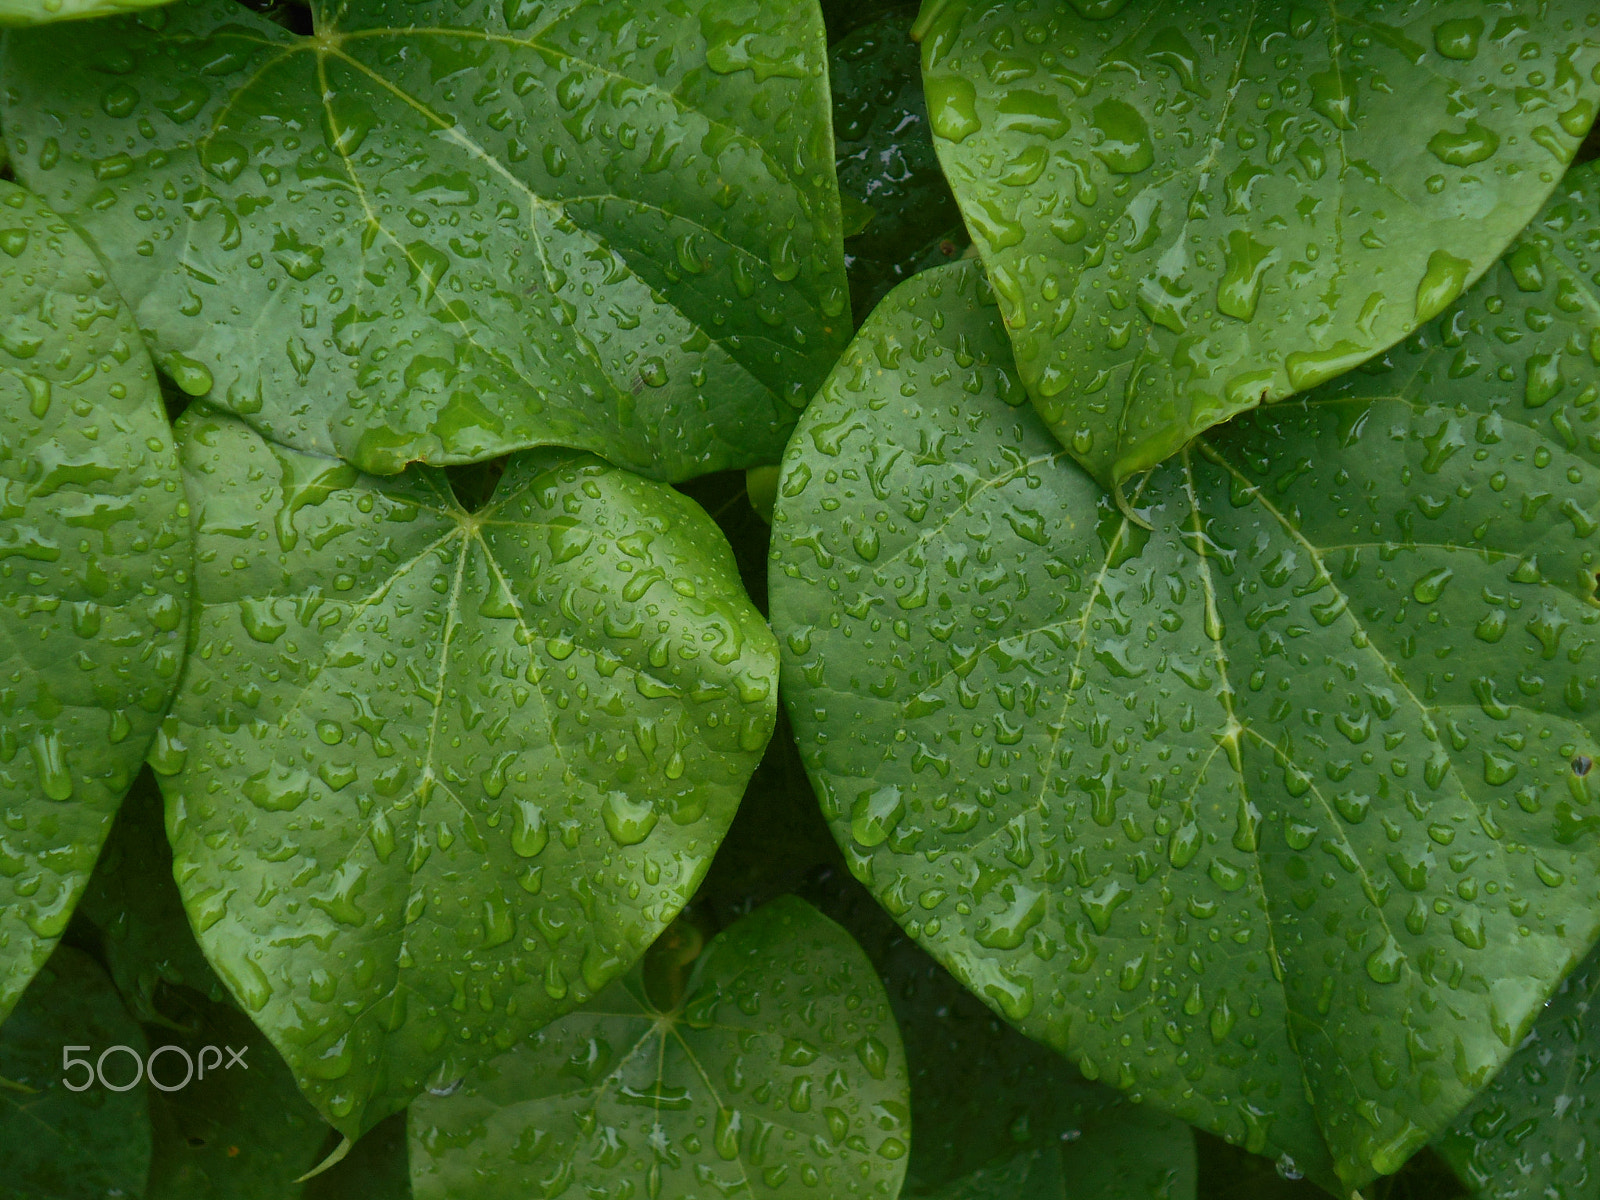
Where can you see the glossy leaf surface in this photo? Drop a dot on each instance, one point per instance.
(1267, 815)
(436, 777)
(441, 232)
(1134, 1154)
(1189, 209)
(59, 1144)
(39, 12)
(1533, 1134)
(94, 572)
(779, 1073)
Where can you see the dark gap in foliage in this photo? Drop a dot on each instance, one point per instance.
(296, 18)
(173, 398)
(900, 216)
(724, 496)
(1590, 150)
(474, 483)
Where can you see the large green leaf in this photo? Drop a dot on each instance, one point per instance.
(436, 777)
(1266, 814)
(1188, 209)
(94, 572)
(1534, 1133)
(778, 1073)
(56, 1143)
(1131, 1155)
(437, 232)
(38, 12)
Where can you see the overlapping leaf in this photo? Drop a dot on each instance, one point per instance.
(440, 232)
(436, 777)
(1188, 209)
(1275, 814)
(60, 1144)
(778, 1073)
(1532, 1135)
(94, 572)
(39, 12)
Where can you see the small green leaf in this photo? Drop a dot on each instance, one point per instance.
(57, 1143)
(1133, 1154)
(1186, 217)
(39, 12)
(1289, 773)
(446, 774)
(95, 562)
(781, 1070)
(441, 232)
(1533, 1133)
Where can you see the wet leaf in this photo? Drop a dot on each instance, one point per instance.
(437, 777)
(1191, 210)
(1134, 1154)
(1531, 1135)
(1267, 814)
(38, 12)
(780, 1067)
(59, 1144)
(438, 233)
(95, 560)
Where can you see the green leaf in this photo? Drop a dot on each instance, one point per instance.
(145, 936)
(438, 232)
(436, 777)
(781, 1066)
(59, 1144)
(1134, 1154)
(1532, 1134)
(240, 1132)
(1265, 814)
(95, 560)
(1186, 217)
(38, 12)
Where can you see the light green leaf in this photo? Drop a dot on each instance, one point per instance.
(1534, 1133)
(59, 1144)
(1189, 210)
(437, 777)
(39, 12)
(779, 1069)
(131, 898)
(95, 561)
(438, 232)
(1133, 1154)
(1265, 814)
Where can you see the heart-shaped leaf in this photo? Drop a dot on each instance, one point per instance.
(1268, 813)
(58, 1143)
(779, 1066)
(38, 12)
(1187, 211)
(437, 232)
(94, 572)
(1534, 1133)
(1132, 1154)
(436, 777)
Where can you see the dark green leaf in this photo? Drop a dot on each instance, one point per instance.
(438, 777)
(437, 232)
(94, 572)
(1265, 814)
(1132, 1154)
(780, 1066)
(59, 1144)
(884, 154)
(1534, 1134)
(145, 936)
(1191, 209)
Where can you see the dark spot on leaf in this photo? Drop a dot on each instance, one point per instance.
(196, 1142)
